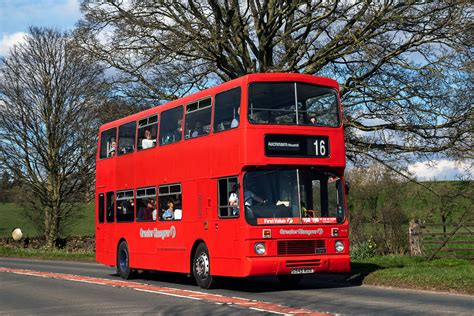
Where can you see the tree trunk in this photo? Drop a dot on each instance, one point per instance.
(48, 212)
(415, 238)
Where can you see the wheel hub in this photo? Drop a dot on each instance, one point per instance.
(202, 266)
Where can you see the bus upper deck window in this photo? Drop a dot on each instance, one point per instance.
(317, 105)
(171, 127)
(227, 109)
(272, 103)
(108, 145)
(126, 138)
(147, 132)
(290, 103)
(198, 118)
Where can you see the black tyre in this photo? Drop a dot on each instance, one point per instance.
(202, 267)
(123, 259)
(290, 280)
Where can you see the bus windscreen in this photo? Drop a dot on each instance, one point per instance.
(292, 196)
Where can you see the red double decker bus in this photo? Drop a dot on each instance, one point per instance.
(242, 179)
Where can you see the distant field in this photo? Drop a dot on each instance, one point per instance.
(11, 216)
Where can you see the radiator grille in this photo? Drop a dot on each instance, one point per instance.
(301, 247)
(303, 263)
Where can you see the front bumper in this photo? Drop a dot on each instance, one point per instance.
(283, 265)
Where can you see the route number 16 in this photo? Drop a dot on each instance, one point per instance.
(320, 147)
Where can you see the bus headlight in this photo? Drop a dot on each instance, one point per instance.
(260, 248)
(339, 246)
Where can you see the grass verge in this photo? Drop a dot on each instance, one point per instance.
(55, 254)
(13, 215)
(452, 275)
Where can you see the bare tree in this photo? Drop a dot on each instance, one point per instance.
(405, 67)
(375, 208)
(48, 98)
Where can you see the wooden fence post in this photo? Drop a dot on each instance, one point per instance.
(415, 238)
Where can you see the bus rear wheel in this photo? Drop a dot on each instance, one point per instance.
(290, 280)
(123, 266)
(202, 267)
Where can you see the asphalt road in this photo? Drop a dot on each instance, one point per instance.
(99, 291)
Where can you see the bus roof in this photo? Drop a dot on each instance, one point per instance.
(241, 81)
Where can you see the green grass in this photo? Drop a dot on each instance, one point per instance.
(56, 254)
(85, 226)
(452, 275)
(12, 216)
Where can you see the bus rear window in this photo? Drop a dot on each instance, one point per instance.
(287, 103)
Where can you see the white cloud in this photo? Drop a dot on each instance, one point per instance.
(442, 170)
(9, 40)
(72, 7)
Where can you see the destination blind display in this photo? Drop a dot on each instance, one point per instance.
(297, 146)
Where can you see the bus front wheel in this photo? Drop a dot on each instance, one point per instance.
(123, 257)
(202, 267)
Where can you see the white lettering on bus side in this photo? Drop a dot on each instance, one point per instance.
(281, 144)
(158, 233)
(308, 232)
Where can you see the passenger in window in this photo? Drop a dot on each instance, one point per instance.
(113, 150)
(169, 213)
(235, 120)
(150, 211)
(234, 199)
(147, 142)
(312, 120)
(178, 132)
(198, 130)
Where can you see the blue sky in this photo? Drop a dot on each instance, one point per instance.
(17, 15)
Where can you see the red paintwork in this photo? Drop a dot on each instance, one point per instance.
(196, 164)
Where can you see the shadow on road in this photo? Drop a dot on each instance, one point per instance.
(268, 284)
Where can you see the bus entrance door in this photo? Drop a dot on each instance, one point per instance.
(225, 235)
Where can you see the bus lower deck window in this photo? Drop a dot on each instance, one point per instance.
(125, 206)
(170, 202)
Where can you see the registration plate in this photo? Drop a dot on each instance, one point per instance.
(302, 271)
